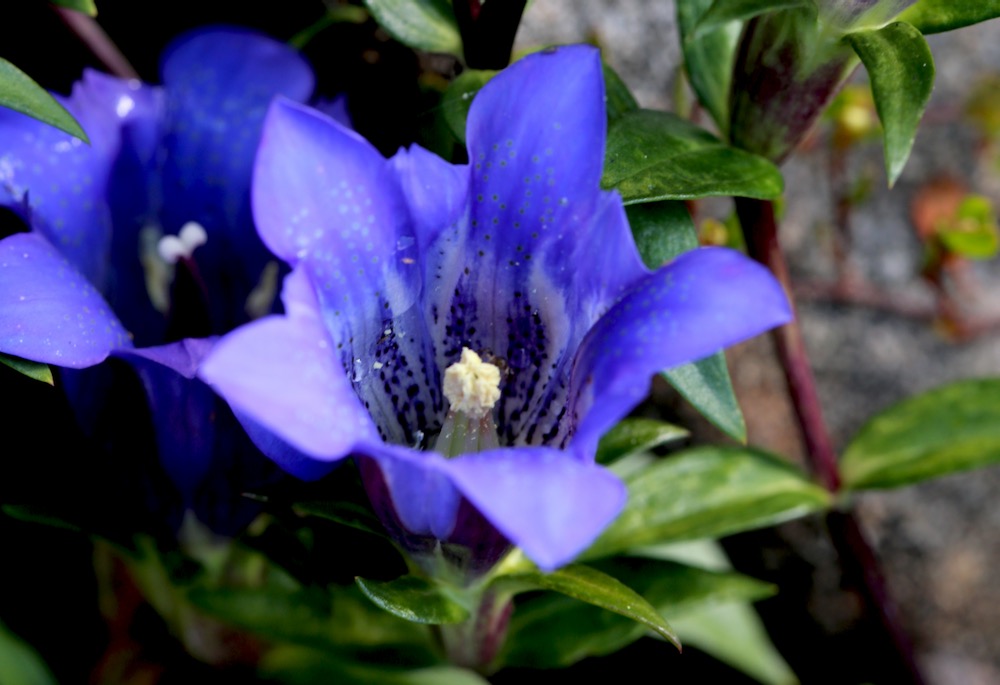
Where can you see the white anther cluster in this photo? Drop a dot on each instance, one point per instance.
(181, 246)
(471, 385)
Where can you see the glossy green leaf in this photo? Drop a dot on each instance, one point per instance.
(708, 59)
(636, 435)
(659, 156)
(19, 92)
(618, 98)
(663, 230)
(952, 428)
(422, 24)
(935, 16)
(335, 14)
(553, 631)
(35, 370)
(594, 587)
(458, 98)
(901, 70)
(708, 492)
(298, 666)
(86, 6)
(19, 663)
(414, 599)
(724, 11)
(343, 620)
(734, 634)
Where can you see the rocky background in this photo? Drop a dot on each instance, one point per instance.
(938, 542)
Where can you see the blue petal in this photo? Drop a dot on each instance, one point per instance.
(48, 311)
(518, 279)
(65, 181)
(282, 373)
(547, 503)
(182, 409)
(327, 200)
(695, 306)
(219, 83)
(437, 193)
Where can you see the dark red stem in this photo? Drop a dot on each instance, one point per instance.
(98, 42)
(488, 30)
(761, 232)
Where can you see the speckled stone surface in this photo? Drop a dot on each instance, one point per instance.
(938, 541)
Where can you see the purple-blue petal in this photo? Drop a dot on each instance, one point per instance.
(63, 180)
(48, 311)
(546, 502)
(282, 373)
(326, 201)
(219, 83)
(182, 409)
(703, 301)
(437, 193)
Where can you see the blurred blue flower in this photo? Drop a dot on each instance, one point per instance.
(404, 267)
(155, 216)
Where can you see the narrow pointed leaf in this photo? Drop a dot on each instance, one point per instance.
(593, 587)
(734, 634)
(620, 100)
(19, 663)
(422, 24)
(724, 11)
(85, 6)
(345, 513)
(901, 70)
(19, 92)
(949, 429)
(636, 435)
(658, 156)
(554, 631)
(663, 230)
(330, 621)
(35, 370)
(708, 492)
(458, 98)
(414, 599)
(936, 16)
(708, 59)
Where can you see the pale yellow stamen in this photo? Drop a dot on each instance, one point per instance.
(471, 385)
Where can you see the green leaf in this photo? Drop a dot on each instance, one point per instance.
(935, 16)
(339, 619)
(724, 11)
(458, 98)
(949, 429)
(708, 492)
(619, 100)
(593, 587)
(553, 631)
(659, 156)
(414, 599)
(298, 666)
(85, 6)
(19, 92)
(19, 664)
(708, 59)
(345, 513)
(35, 370)
(663, 230)
(734, 634)
(901, 70)
(636, 435)
(422, 24)
(973, 234)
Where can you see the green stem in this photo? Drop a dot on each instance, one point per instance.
(475, 643)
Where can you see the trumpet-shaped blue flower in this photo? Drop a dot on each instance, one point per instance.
(469, 332)
(155, 216)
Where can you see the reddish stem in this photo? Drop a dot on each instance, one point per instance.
(761, 231)
(98, 42)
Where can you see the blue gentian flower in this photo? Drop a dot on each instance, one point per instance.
(155, 216)
(469, 332)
